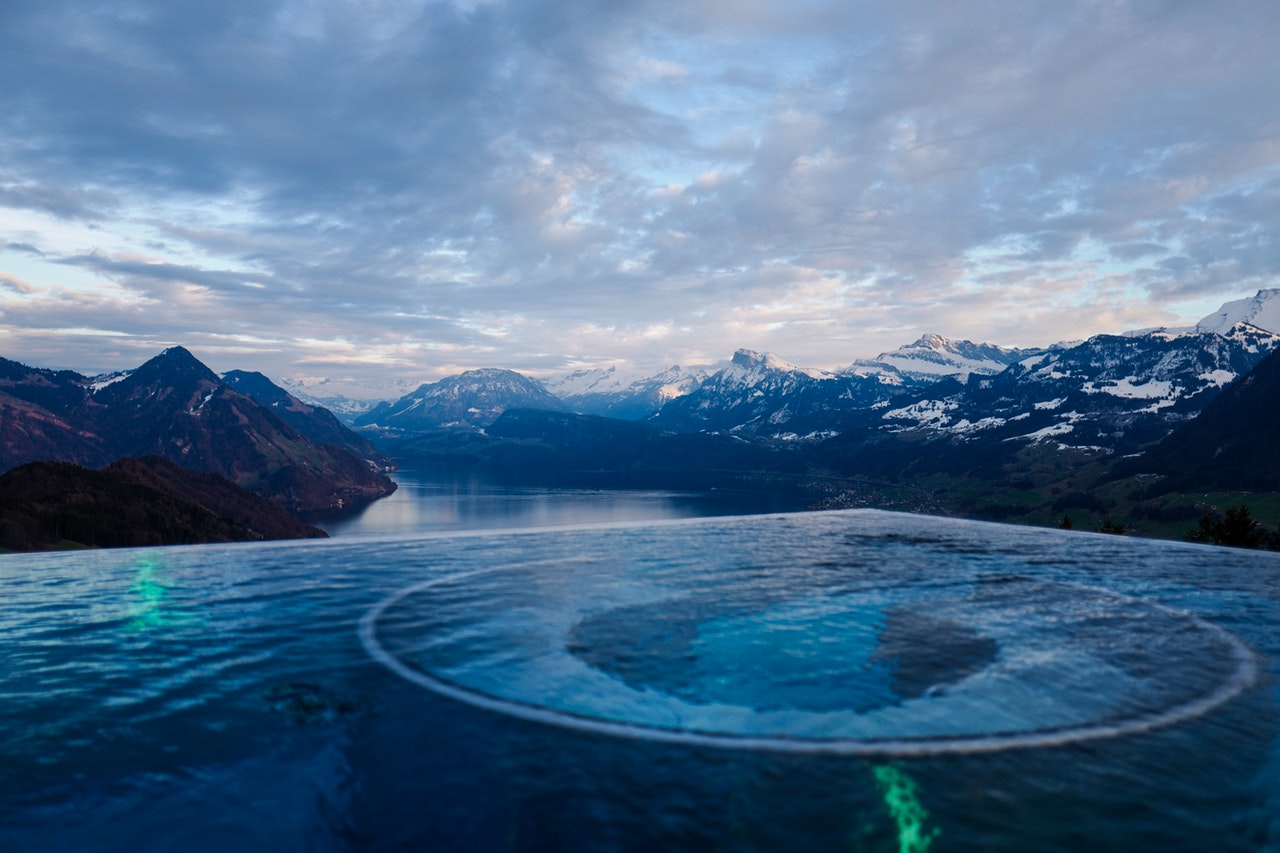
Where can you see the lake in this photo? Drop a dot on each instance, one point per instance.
(856, 680)
(430, 502)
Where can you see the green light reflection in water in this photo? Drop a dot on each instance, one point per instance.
(146, 611)
(899, 792)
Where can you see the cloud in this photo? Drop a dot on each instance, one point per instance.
(21, 247)
(79, 204)
(15, 285)
(532, 184)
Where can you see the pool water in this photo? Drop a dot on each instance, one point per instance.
(845, 680)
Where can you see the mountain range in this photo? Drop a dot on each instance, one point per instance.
(1110, 393)
(175, 407)
(995, 432)
(790, 397)
(935, 408)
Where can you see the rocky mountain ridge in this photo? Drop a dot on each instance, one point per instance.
(1110, 392)
(175, 407)
(764, 395)
(935, 357)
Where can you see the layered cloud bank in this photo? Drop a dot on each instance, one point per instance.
(393, 191)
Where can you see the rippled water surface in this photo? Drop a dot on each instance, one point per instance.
(846, 680)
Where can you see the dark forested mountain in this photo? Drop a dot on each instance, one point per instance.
(315, 422)
(133, 502)
(470, 400)
(29, 432)
(174, 406)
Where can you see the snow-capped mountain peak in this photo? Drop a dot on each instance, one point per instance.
(623, 393)
(751, 361)
(1261, 310)
(471, 399)
(935, 357)
(595, 380)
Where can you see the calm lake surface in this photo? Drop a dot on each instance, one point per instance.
(854, 680)
(430, 502)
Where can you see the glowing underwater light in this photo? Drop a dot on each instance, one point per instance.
(146, 613)
(899, 792)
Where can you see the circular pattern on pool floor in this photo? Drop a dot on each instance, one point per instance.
(806, 660)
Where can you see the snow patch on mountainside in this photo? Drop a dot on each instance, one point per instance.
(927, 412)
(966, 426)
(1062, 427)
(1051, 371)
(100, 382)
(882, 373)
(1033, 361)
(1217, 378)
(1131, 388)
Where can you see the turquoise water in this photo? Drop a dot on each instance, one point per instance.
(846, 680)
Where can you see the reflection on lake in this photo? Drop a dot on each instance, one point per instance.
(428, 501)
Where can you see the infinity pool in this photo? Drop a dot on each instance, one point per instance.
(843, 680)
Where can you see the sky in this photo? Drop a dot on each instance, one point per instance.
(374, 192)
